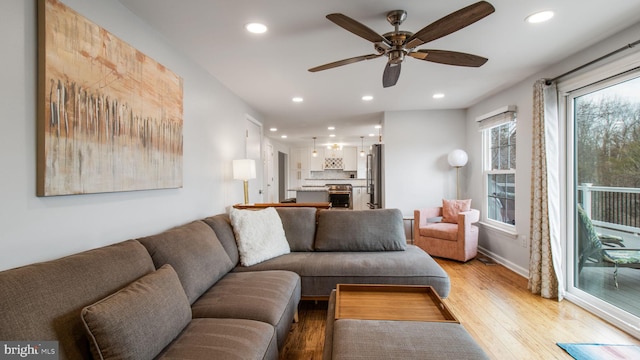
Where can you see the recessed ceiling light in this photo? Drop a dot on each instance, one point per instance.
(378, 126)
(367, 98)
(331, 128)
(256, 28)
(273, 129)
(283, 136)
(539, 17)
(297, 99)
(372, 135)
(332, 135)
(438, 96)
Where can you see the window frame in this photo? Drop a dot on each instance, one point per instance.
(598, 78)
(486, 171)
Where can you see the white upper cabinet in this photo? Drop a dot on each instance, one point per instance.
(362, 167)
(350, 158)
(317, 162)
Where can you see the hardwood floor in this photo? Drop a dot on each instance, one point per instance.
(494, 305)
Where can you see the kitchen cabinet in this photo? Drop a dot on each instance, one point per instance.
(299, 166)
(362, 167)
(350, 158)
(360, 198)
(300, 158)
(317, 162)
(333, 153)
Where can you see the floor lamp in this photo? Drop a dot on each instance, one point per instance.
(245, 170)
(457, 158)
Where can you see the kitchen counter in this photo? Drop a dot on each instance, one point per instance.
(309, 188)
(307, 194)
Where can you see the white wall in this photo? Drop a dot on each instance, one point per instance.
(36, 229)
(505, 248)
(417, 143)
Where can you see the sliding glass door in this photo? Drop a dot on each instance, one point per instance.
(605, 199)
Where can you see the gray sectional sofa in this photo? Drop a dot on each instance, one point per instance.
(183, 293)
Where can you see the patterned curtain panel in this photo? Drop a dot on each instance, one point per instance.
(545, 263)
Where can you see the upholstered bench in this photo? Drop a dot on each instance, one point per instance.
(392, 339)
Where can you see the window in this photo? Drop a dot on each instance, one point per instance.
(499, 134)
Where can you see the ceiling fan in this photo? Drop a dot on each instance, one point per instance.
(397, 44)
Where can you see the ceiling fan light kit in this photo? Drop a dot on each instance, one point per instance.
(397, 44)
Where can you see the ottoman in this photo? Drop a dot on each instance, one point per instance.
(389, 339)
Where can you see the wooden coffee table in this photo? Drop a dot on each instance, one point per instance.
(391, 302)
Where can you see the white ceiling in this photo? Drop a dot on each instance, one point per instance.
(268, 70)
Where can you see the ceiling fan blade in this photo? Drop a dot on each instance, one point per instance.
(391, 74)
(451, 23)
(449, 57)
(357, 28)
(344, 62)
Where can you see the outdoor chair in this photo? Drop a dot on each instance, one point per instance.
(592, 253)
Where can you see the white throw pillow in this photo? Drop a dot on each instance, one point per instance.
(259, 235)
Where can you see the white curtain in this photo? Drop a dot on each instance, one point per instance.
(546, 260)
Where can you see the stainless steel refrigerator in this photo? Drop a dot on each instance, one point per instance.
(375, 177)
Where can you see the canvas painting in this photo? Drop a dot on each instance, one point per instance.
(109, 117)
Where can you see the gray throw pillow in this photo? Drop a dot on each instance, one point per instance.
(194, 252)
(299, 227)
(360, 230)
(138, 321)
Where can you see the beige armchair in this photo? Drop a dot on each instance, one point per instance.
(448, 240)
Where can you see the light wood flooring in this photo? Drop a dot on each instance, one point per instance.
(494, 305)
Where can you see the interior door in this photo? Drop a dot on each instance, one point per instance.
(271, 188)
(254, 151)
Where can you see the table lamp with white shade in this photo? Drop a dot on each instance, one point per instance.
(457, 158)
(245, 170)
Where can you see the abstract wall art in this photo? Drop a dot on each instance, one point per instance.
(109, 117)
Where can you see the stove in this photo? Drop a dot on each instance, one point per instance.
(340, 196)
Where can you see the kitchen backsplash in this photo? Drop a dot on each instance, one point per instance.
(321, 178)
(333, 174)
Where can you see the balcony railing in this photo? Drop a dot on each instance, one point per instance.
(616, 208)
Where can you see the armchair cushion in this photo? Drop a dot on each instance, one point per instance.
(446, 231)
(451, 208)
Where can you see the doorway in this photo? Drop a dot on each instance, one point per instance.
(282, 175)
(254, 151)
(604, 201)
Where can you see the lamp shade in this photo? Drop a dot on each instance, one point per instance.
(244, 169)
(457, 158)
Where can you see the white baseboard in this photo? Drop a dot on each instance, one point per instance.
(504, 262)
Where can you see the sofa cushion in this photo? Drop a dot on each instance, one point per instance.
(299, 227)
(267, 296)
(221, 225)
(224, 339)
(360, 230)
(451, 209)
(43, 300)
(259, 235)
(138, 321)
(370, 339)
(321, 271)
(195, 253)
